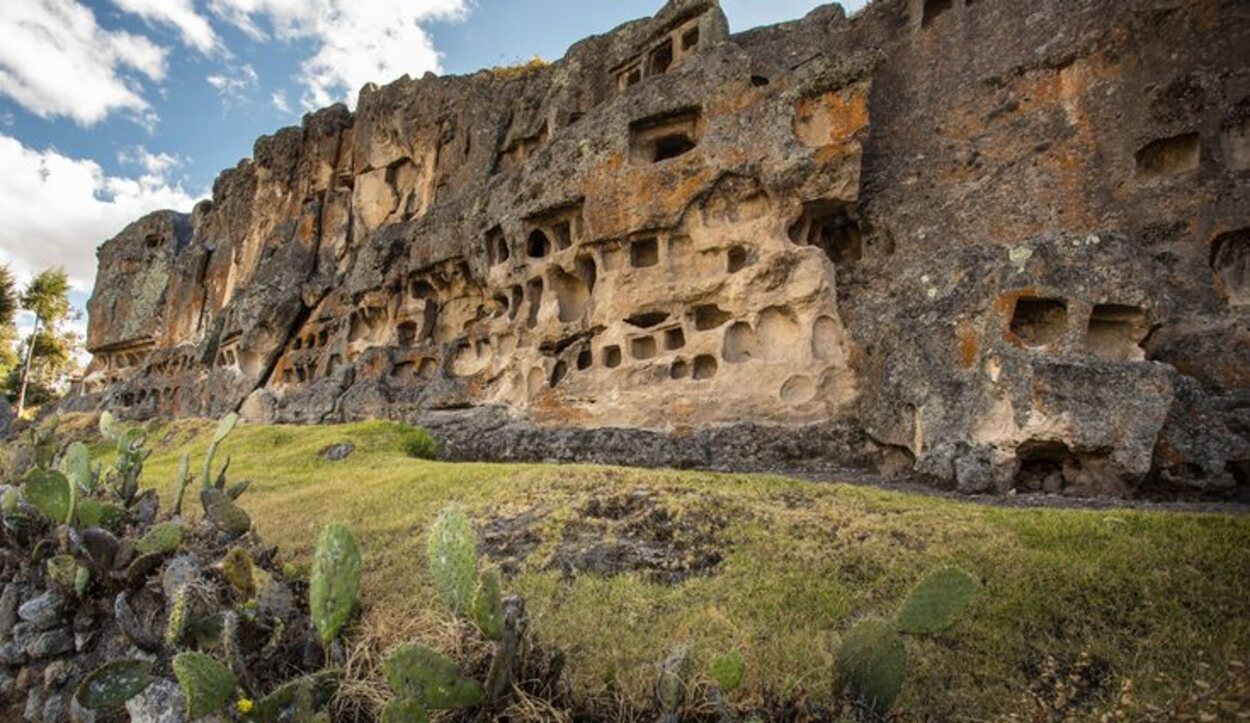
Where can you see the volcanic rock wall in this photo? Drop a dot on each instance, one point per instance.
(1002, 244)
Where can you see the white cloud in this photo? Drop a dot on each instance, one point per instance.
(357, 42)
(195, 30)
(55, 210)
(280, 102)
(157, 165)
(236, 87)
(56, 62)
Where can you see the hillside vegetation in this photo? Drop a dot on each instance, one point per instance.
(1081, 613)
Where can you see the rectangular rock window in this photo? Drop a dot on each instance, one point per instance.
(642, 347)
(612, 356)
(661, 58)
(690, 38)
(832, 227)
(1169, 156)
(644, 253)
(1039, 322)
(664, 137)
(496, 246)
(933, 9)
(1116, 331)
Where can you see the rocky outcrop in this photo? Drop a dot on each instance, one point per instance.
(1004, 245)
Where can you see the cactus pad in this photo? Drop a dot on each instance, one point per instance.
(223, 513)
(431, 678)
(237, 569)
(314, 691)
(77, 466)
(334, 589)
(109, 428)
(487, 610)
(49, 491)
(207, 684)
(727, 670)
(181, 477)
(112, 684)
(161, 539)
(936, 600)
(452, 552)
(405, 710)
(872, 664)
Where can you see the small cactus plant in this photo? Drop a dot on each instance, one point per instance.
(112, 684)
(670, 689)
(237, 569)
(207, 684)
(432, 679)
(452, 554)
(872, 659)
(727, 671)
(334, 589)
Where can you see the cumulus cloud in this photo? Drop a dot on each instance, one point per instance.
(357, 42)
(236, 86)
(57, 62)
(195, 30)
(55, 210)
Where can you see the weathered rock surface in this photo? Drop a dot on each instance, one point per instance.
(1000, 244)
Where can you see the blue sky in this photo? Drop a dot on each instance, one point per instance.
(113, 108)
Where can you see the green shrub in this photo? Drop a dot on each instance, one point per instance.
(417, 443)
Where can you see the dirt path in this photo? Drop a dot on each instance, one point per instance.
(1031, 500)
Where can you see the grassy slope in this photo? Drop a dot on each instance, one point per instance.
(1148, 596)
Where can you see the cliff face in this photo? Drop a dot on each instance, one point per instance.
(1003, 244)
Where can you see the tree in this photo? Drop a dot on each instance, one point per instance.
(8, 314)
(47, 297)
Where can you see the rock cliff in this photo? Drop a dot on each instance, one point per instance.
(1002, 244)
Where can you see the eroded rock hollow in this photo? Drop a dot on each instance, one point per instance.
(1000, 244)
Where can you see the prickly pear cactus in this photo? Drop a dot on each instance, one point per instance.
(109, 427)
(284, 703)
(76, 464)
(452, 552)
(487, 610)
(68, 574)
(93, 513)
(224, 513)
(334, 589)
(237, 569)
(179, 617)
(112, 684)
(670, 689)
(224, 427)
(207, 684)
(51, 493)
(936, 600)
(430, 678)
(872, 664)
(405, 710)
(181, 478)
(161, 539)
(727, 670)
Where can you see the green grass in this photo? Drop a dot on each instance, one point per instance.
(1158, 598)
